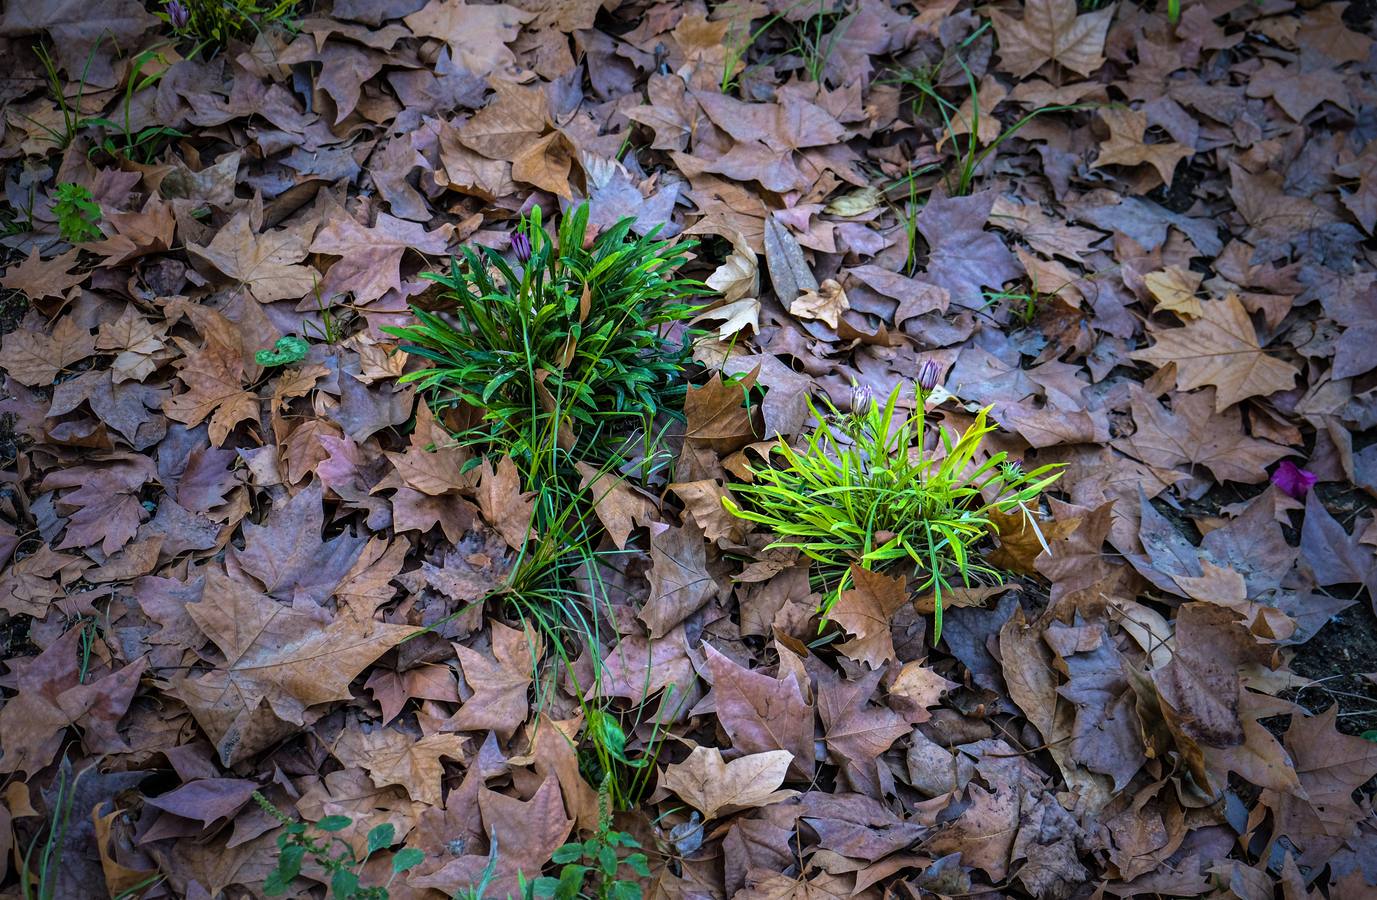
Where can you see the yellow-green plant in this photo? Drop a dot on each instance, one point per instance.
(863, 491)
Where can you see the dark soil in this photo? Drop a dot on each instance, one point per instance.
(1338, 658)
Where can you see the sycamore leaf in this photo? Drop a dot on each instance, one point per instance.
(35, 359)
(1174, 290)
(477, 35)
(1127, 147)
(1220, 348)
(267, 263)
(715, 787)
(1050, 31)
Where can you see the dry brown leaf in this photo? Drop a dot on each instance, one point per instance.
(826, 303)
(1174, 290)
(503, 503)
(715, 787)
(1050, 31)
(36, 359)
(1127, 147)
(1220, 348)
(268, 263)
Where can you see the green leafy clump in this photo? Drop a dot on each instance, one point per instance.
(212, 24)
(594, 868)
(574, 344)
(862, 490)
(287, 350)
(334, 855)
(78, 214)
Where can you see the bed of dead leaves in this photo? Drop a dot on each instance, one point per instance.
(210, 567)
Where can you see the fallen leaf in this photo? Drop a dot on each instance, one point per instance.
(1050, 31)
(715, 787)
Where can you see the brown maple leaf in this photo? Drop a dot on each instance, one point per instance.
(391, 756)
(1220, 348)
(526, 833)
(267, 263)
(477, 35)
(52, 695)
(139, 342)
(1192, 434)
(1127, 146)
(504, 505)
(865, 611)
(1050, 31)
(679, 581)
(372, 257)
(500, 683)
(214, 377)
(38, 279)
(275, 654)
(716, 787)
(761, 713)
(35, 359)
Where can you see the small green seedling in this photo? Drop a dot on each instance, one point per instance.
(335, 856)
(289, 349)
(78, 214)
(863, 491)
(597, 861)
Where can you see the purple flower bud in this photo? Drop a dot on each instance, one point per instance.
(1294, 480)
(928, 376)
(521, 246)
(1014, 467)
(178, 14)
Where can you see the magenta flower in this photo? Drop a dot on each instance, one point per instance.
(1294, 480)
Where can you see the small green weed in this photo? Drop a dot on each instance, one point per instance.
(213, 24)
(596, 862)
(738, 42)
(332, 854)
(288, 349)
(969, 156)
(78, 214)
(142, 145)
(581, 331)
(862, 491)
(71, 111)
(816, 39)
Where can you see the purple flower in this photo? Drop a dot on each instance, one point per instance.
(1294, 480)
(928, 376)
(521, 246)
(178, 14)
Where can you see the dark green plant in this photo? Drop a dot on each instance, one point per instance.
(862, 491)
(212, 24)
(141, 145)
(288, 349)
(593, 868)
(78, 214)
(816, 38)
(331, 853)
(573, 347)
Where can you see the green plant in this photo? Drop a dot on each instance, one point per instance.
(214, 23)
(71, 113)
(78, 214)
(596, 862)
(573, 348)
(42, 885)
(332, 854)
(862, 491)
(142, 145)
(287, 350)
(738, 42)
(1173, 11)
(816, 38)
(969, 156)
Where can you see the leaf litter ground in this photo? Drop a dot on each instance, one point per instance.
(215, 571)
